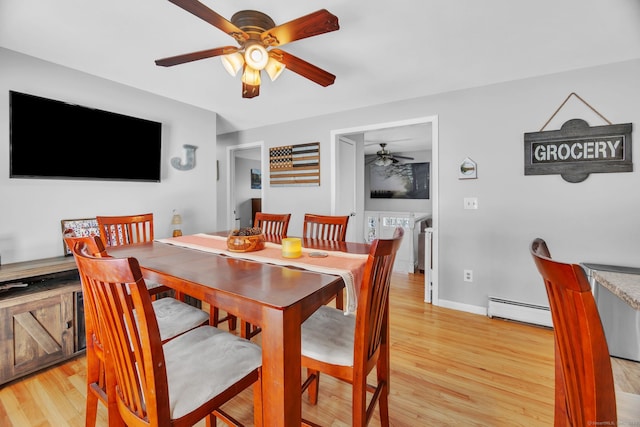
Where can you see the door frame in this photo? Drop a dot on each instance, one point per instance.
(231, 176)
(431, 289)
(353, 214)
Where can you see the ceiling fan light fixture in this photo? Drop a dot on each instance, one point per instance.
(251, 76)
(232, 62)
(274, 68)
(256, 56)
(383, 161)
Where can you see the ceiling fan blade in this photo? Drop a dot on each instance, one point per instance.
(402, 157)
(313, 24)
(194, 56)
(213, 18)
(303, 68)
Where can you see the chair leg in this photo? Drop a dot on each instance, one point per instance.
(211, 420)
(94, 374)
(340, 300)
(383, 404)
(313, 377)
(248, 331)
(359, 403)
(215, 320)
(258, 417)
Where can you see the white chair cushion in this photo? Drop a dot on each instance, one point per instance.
(204, 362)
(175, 317)
(328, 336)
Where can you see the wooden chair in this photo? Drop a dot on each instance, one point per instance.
(584, 387)
(174, 318)
(125, 229)
(150, 383)
(273, 225)
(328, 228)
(349, 347)
(325, 227)
(128, 230)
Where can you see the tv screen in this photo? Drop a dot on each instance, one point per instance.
(57, 140)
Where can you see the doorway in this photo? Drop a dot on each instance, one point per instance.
(239, 192)
(355, 187)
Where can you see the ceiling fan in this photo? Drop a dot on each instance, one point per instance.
(255, 32)
(385, 158)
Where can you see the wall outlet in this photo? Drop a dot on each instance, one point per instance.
(468, 275)
(471, 203)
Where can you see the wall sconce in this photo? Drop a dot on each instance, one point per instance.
(176, 222)
(176, 162)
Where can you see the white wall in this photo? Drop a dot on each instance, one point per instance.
(595, 220)
(33, 208)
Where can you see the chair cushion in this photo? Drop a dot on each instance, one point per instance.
(175, 317)
(328, 336)
(204, 362)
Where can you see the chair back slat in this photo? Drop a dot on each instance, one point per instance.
(372, 311)
(272, 224)
(125, 230)
(93, 245)
(128, 324)
(585, 390)
(325, 227)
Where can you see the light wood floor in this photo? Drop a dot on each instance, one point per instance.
(448, 368)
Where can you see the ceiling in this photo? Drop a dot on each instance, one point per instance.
(384, 51)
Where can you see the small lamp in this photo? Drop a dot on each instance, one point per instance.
(251, 76)
(176, 222)
(274, 68)
(232, 62)
(256, 56)
(383, 161)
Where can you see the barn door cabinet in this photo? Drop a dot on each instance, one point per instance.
(41, 324)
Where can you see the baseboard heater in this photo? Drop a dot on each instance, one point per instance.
(519, 311)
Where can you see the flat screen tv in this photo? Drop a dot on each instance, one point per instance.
(52, 139)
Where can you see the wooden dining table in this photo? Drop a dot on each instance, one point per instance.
(276, 298)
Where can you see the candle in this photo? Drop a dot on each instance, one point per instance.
(291, 247)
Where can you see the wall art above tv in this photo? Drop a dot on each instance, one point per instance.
(52, 139)
(399, 181)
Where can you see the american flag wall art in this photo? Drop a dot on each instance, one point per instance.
(295, 165)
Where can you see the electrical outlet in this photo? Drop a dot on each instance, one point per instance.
(468, 275)
(471, 203)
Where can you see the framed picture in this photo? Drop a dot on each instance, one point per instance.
(79, 227)
(256, 179)
(400, 181)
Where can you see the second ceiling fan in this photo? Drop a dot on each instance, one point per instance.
(255, 32)
(384, 157)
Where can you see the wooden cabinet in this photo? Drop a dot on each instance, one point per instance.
(43, 323)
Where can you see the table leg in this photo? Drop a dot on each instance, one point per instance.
(281, 377)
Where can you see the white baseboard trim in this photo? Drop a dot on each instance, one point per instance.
(475, 309)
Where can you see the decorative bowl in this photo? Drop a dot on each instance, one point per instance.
(238, 243)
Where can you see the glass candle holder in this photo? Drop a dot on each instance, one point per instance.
(291, 247)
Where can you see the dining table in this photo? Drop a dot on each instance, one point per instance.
(277, 295)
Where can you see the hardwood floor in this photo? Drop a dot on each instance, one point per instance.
(448, 368)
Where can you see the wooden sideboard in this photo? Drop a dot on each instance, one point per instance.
(41, 324)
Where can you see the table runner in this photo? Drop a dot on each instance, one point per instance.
(348, 266)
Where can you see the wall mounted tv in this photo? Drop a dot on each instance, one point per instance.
(56, 140)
